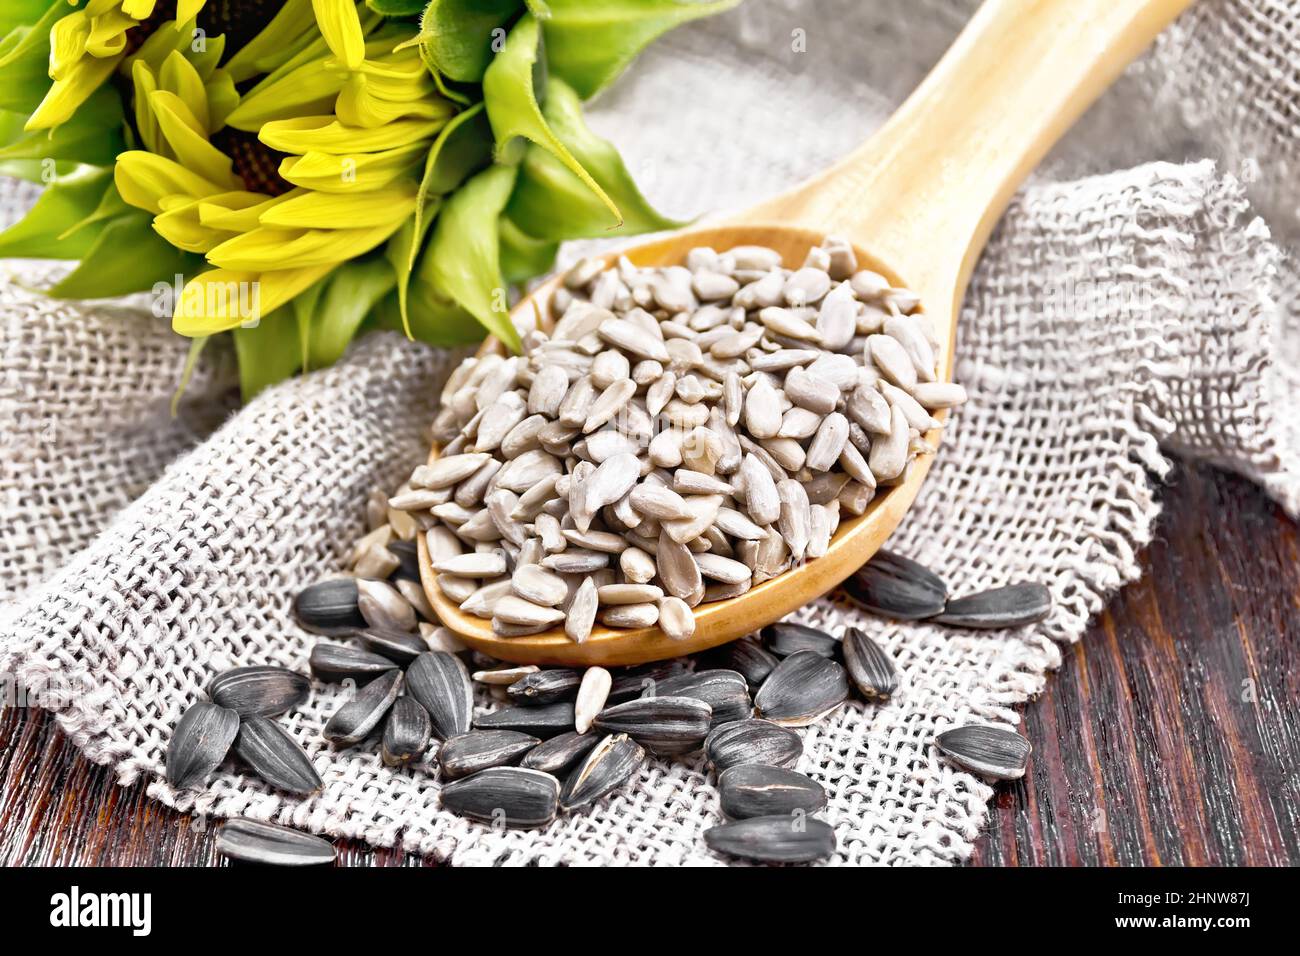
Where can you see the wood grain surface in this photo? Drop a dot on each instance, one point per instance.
(1171, 735)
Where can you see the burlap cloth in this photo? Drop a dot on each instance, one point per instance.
(1115, 314)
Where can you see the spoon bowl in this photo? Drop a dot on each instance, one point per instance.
(918, 202)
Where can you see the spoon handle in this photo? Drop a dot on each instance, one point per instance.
(925, 191)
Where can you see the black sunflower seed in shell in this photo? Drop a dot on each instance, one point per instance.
(785, 638)
(354, 721)
(275, 756)
(990, 751)
(746, 657)
(545, 722)
(610, 765)
(803, 688)
(726, 693)
(408, 554)
(753, 790)
(400, 647)
(776, 839)
(406, 732)
(478, 750)
(253, 841)
(663, 725)
(329, 607)
(752, 741)
(639, 681)
(558, 754)
(871, 669)
(333, 663)
(510, 796)
(441, 684)
(545, 687)
(1012, 606)
(199, 743)
(897, 587)
(263, 690)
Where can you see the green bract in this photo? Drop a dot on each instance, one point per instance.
(359, 163)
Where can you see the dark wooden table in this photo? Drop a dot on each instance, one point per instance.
(1171, 735)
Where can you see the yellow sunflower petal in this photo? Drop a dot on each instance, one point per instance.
(222, 299)
(332, 173)
(70, 91)
(187, 9)
(341, 27)
(296, 249)
(309, 89)
(325, 133)
(108, 34)
(360, 104)
(229, 213)
(144, 179)
(68, 43)
(139, 9)
(313, 210)
(191, 145)
(179, 76)
(181, 225)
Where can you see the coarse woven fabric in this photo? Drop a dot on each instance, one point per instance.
(1112, 315)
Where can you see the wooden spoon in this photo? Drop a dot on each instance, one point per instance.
(918, 202)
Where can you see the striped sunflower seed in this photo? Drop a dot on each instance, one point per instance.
(406, 732)
(746, 657)
(776, 839)
(333, 663)
(275, 756)
(253, 841)
(510, 796)
(354, 721)
(870, 668)
(440, 683)
(546, 686)
(609, 766)
(263, 690)
(199, 743)
(663, 725)
(802, 689)
(753, 790)
(479, 750)
(989, 751)
(1012, 606)
(400, 647)
(329, 607)
(544, 721)
(752, 741)
(557, 755)
(897, 587)
(786, 637)
(726, 693)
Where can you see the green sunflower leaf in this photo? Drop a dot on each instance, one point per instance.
(589, 44)
(510, 94)
(94, 134)
(457, 38)
(19, 13)
(396, 8)
(522, 256)
(346, 297)
(268, 352)
(49, 230)
(24, 63)
(127, 256)
(464, 255)
(550, 202)
(434, 318)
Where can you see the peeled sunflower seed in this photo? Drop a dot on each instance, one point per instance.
(776, 839)
(803, 688)
(440, 684)
(478, 750)
(786, 637)
(752, 741)
(261, 689)
(503, 676)
(546, 687)
(275, 756)
(726, 693)
(400, 647)
(610, 765)
(256, 842)
(663, 725)
(513, 796)
(383, 606)
(329, 607)
(1010, 606)
(333, 663)
(592, 694)
(406, 732)
(754, 790)
(894, 586)
(990, 751)
(870, 668)
(199, 743)
(543, 722)
(558, 754)
(354, 721)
